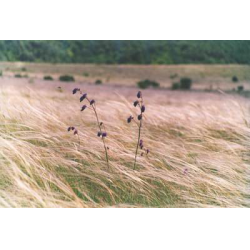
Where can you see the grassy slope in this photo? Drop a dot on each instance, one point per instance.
(42, 165)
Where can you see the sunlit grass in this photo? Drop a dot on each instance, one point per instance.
(199, 150)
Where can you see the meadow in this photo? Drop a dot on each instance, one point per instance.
(198, 140)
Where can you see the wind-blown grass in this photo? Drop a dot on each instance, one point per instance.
(199, 150)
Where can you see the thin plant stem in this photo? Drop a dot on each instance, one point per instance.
(100, 128)
(139, 137)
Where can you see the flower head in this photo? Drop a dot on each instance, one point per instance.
(83, 107)
(143, 109)
(75, 90)
(139, 117)
(130, 119)
(99, 134)
(139, 94)
(76, 132)
(104, 134)
(92, 102)
(136, 103)
(83, 97)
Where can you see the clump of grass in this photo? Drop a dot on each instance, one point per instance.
(101, 127)
(147, 84)
(86, 74)
(235, 79)
(66, 78)
(98, 82)
(1, 73)
(139, 103)
(48, 78)
(18, 76)
(21, 76)
(240, 88)
(175, 86)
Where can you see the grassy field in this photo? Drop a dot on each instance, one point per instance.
(205, 77)
(199, 141)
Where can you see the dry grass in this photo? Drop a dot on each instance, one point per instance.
(199, 144)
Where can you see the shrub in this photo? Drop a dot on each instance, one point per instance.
(86, 74)
(98, 82)
(185, 83)
(240, 88)
(235, 79)
(18, 75)
(175, 86)
(48, 78)
(147, 83)
(1, 73)
(23, 69)
(66, 78)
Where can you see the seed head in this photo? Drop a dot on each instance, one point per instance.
(101, 123)
(136, 103)
(83, 107)
(75, 90)
(69, 128)
(92, 102)
(143, 109)
(139, 94)
(72, 128)
(147, 151)
(139, 117)
(130, 119)
(75, 133)
(83, 97)
(99, 134)
(104, 134)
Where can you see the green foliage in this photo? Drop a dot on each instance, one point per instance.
(86, 74)
(235, 79)
(48, 78)
(1, 73)
(127, 52)
(147, 83)
(175, 85)
(67, 78)
(174, 76)
(98, 82)
(240, 88)
(23, 69)
(185, 83)
(18, 76)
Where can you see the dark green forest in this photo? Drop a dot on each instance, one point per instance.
(127, 52)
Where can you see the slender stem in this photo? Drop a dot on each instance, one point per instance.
(139, 137)
(139, 133)
(100, 128)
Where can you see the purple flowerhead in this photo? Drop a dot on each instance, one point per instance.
(69, 128)
(139, 117)
(143, 109)
(147, 151)
(83, 107)
(92, 102)
(104, 134)
(76, 132)
(99, 134)
(130, 119)
(75, 90)
(136, 103)
(72, 128)
(139, 94)
(83, 97)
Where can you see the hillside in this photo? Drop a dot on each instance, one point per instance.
(127, 52)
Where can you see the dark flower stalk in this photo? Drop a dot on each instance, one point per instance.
(139, 103)
(101, 133)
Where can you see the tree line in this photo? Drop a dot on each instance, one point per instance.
(127, 52)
